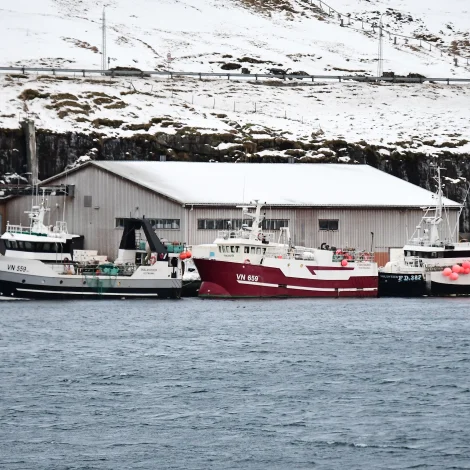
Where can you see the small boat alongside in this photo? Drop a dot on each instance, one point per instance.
(41, 262)
(250, 263)
(432, 262)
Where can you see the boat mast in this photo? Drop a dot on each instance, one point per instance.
(437, 219)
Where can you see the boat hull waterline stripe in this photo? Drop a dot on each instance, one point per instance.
(40, 291)
(319, 289)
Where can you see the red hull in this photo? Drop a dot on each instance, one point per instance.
(221, 279)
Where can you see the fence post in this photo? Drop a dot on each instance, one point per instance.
(200, 76)
(83, 71)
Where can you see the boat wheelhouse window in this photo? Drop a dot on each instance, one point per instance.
(34, 247)
(252, 250)
(247, 249)
(258, 250)
(264, 251)
(328, 225)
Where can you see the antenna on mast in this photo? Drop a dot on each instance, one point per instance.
(103, 45)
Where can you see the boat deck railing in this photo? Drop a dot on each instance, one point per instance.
(81, 269)
(60, 227)
(17, 228)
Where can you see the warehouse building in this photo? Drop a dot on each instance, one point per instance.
(341, 205)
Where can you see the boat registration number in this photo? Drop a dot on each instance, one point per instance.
(243, 277)
(416, 277)
(17, 268)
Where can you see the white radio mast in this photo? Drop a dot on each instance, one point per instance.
(103, 46)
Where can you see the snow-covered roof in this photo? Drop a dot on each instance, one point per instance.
(274, 183)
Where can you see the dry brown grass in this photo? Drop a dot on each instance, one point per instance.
(268, 5)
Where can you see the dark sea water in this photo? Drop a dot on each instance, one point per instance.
(198, 384)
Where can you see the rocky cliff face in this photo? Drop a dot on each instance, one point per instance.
(56, 152)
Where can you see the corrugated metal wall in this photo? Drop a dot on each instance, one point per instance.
(391, 227)
(114, 197)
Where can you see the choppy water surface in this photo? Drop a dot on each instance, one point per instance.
(193, 384)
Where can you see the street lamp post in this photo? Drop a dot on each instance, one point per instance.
(380, 50)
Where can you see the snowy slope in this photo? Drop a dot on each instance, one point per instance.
(204, 35)
(198, 33)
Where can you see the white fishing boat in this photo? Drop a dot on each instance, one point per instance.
(46, 262)
(433, 262)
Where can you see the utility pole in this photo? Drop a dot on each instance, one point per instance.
(380, 50)
(103, 45)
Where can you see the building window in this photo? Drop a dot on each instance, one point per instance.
(274, 224)
(326, 224)
(86, 201)
(236, 224)
(157, 224)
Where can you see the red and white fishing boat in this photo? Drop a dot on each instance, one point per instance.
(249, 263)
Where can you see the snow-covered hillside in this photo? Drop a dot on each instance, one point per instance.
(203, 35)
(215, 35)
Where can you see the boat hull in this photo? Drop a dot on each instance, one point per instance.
(401, 285)
(222, 279)
(191, 288)
(442, 289)
(44, 292)
(31, 279)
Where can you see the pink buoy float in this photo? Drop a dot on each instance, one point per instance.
(456, 268)
(447, 272)
(344, 263)
(454, 276)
